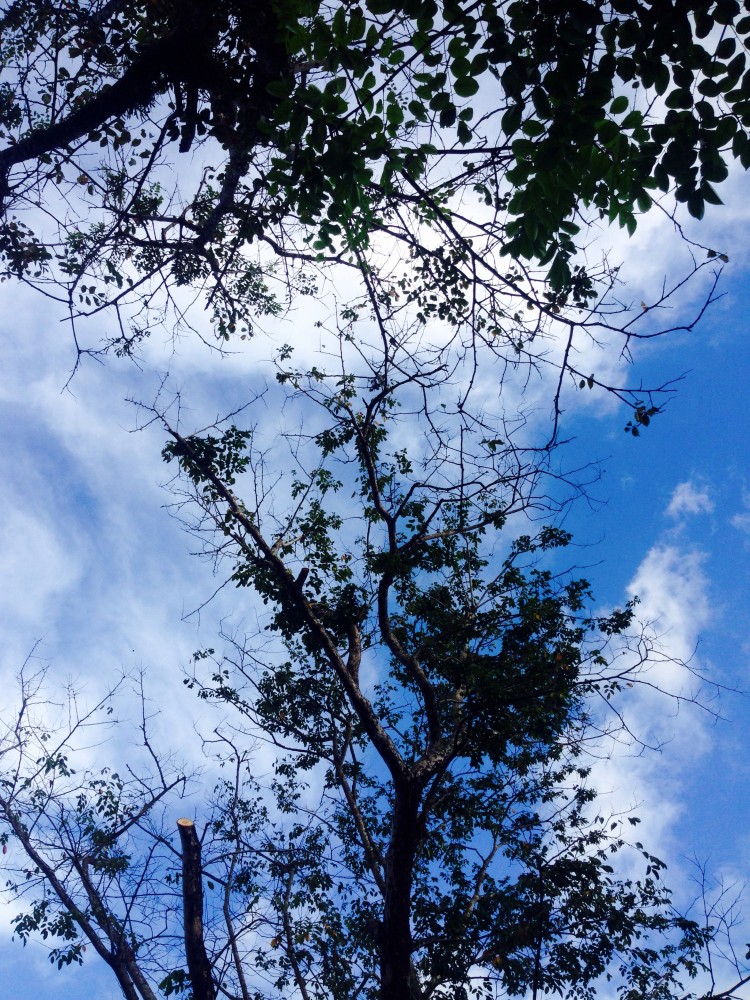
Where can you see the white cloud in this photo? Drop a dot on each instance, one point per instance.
(660, 713)
(689, 499)
(673, 593)
(741, 521)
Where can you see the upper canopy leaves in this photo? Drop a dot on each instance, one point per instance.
(340, 117)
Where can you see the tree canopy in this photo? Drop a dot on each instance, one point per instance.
(429, 828)
(153, 145)
(435, 689)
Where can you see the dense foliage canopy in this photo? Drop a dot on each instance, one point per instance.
(189, 142)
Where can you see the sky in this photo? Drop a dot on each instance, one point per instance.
(97, 578)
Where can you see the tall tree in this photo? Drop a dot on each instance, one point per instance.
(438, 688)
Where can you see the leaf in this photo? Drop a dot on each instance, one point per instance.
(511, 120)
(725, 49)
(533, 128)
(466, 86)
(696, 205)
(278, 88)
(679, 98)
(298, 125)
(559, 273)
(608, 131)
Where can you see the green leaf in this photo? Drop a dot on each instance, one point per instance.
(533, 128)
(464, 133)
(418, 109)
(511, 120)
(466, 86)
(298, 125)
(279, 88)
(607, 132)
(679, 99)
(696, 205)
(726, 48)
(394, 114)
(709, 194)
(633, 120)
(559, 273)
(448, 117)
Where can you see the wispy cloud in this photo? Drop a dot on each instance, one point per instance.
(690, 499)
(741, 520)
(674, 607)
(666, 729)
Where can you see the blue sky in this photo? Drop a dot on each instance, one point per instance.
(94, 570)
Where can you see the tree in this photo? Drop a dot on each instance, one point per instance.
(189, 143)
(437, 693)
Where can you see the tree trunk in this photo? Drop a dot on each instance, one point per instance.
(396, 981)
(198, 964)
